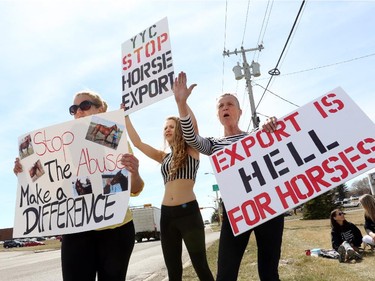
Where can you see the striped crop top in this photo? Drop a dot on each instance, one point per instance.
(207, 146)
(189, 171)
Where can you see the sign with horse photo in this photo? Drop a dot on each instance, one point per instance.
(73, 179)
(314, 149)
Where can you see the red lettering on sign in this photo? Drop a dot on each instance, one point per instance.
(251, 211)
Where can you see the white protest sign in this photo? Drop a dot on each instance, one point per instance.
(72, 179)
(316, 148)
(147, 67)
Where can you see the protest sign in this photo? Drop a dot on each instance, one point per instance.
(147, 67)
(72, 179)
(314, 149)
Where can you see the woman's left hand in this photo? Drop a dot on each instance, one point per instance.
(130, 163)
(270, 125)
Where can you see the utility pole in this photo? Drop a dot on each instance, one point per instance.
(247, 74)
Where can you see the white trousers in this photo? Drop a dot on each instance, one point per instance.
(368, 240)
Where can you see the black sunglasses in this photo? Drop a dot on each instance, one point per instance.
(85, 105)
(340, 213)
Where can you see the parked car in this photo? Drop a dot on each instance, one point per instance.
(351, 204)
(338, 203)
(12, 244)
(33, 243)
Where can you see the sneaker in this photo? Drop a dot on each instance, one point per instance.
(365, 246)
(342, 253)
(353, 255)
(357, 255)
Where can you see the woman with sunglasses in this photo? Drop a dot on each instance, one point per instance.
(104, 252)
(181, 219)
(346, 238)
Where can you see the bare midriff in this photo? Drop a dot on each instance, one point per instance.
(178, 192)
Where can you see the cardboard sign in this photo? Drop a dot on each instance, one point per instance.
(315, 148)
(147, 67)
(72, 179)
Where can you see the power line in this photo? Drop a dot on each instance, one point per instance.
(275, 71)
(225, 39)
(328, 65)
(280, 97)
(305, 70)
(265, 22)
(292, 36)
(310, 69)
(245, 25)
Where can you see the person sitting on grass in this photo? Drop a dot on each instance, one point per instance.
(368, 204)
(345, 236)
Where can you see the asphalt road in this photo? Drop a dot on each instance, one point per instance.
(146, 263)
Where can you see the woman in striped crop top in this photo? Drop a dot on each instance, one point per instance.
(268, 234)
(181, 219)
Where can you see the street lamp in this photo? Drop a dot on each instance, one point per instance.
(215, 188)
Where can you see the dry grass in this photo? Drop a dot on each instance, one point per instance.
(300, 235)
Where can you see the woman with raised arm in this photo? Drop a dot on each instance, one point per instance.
(269, 234)
(181, 219)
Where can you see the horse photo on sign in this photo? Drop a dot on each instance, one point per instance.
(82, 186)
(104, 132)
(25, 147)
(115, 182)
(36, 171)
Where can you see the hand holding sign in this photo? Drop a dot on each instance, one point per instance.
(299, 161)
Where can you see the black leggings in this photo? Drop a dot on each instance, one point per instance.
(106, 252)
(231, 249)
(184, 222)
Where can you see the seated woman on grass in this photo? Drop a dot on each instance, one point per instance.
(345, 236)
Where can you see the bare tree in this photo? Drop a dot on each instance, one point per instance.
(360, 187)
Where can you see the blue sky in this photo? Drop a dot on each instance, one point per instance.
(52, 49)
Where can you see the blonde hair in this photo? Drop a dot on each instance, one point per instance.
(95, 97)
(178, 146)
(368, 203)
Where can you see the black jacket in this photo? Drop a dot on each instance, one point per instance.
(369, 225)
(347, 232)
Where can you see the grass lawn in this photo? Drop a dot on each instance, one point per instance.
(300, 235)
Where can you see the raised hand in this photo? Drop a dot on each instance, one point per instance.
(180, 89)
